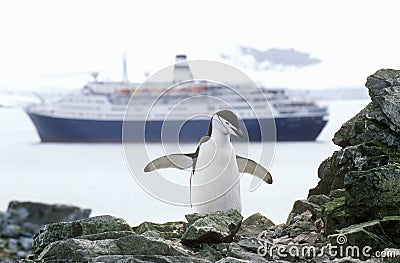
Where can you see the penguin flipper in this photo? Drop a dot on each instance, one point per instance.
(248, 166)
(179, 161)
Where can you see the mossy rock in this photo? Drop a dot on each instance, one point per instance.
(377, 234)
(212, 228)
(65, 230)
(335, 217)
(169, 230)
(373, 193)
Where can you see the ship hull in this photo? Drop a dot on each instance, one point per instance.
(51, 129)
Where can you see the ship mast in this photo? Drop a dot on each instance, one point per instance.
(125, 78)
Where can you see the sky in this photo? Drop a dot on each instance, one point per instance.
(56, 44)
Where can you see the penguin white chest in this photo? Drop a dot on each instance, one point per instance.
(215, 183)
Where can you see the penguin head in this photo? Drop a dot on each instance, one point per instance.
(226, 122)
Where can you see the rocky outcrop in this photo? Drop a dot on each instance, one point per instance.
(361, 180)
(218, 227)
(22, 221)
(216, 237)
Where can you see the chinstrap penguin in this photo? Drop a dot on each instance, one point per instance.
(215, 167)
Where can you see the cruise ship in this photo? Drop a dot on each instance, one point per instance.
(178, 110)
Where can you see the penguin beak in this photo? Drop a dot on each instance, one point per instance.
(237, 132)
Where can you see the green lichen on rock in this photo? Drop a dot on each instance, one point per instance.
(62, 231)
(81, 250)
(377, 234)
(169, 230)
(370, 124)
(212, 228)
(335, 216)
(373, 193)
(366, 170)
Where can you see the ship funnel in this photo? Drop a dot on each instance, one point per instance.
(182, 70)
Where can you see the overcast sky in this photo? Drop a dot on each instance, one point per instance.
(55, 43)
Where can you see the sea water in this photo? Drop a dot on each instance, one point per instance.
(96, 175)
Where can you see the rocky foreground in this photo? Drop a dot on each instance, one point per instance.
(352, 215)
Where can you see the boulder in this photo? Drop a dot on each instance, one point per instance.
(320, 199)
(169, 230)
(361, 157)
(373, 193)
(254, 225)
(26, 218)
(83, 250)
(212, 228)
(377, 234)
(361, 179)
(384, 88)
(300, 207)
(148, 258)
(22, 220)
(66, 230)
(40, 214)
(111, 239)
(212, 251)
(370, 124)
(237, 252)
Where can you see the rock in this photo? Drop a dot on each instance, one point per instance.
(362, 157)
(232, 260)
(300, 207)
(370, 124)
(391, 255)
(335, 216)
(212, 228)
(110, 239)
(170, 230)
(371, 194)
(146, 258)
(377, 234)
(235, 251)
(320, 200)
(281, 230)
(254, 225)
(300, 227)
(362, 178)
(252, 244)
(337, 193)
(81, 250)
(22, 220)
(348, 260)
(62, 231)
(40, 214)
(310, 238)
(384, 89)
(106, 235)
(212, 252)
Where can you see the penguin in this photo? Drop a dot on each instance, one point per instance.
(215, 167)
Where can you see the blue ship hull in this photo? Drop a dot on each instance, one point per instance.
(53, 129)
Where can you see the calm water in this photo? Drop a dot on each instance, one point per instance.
(96, 175)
